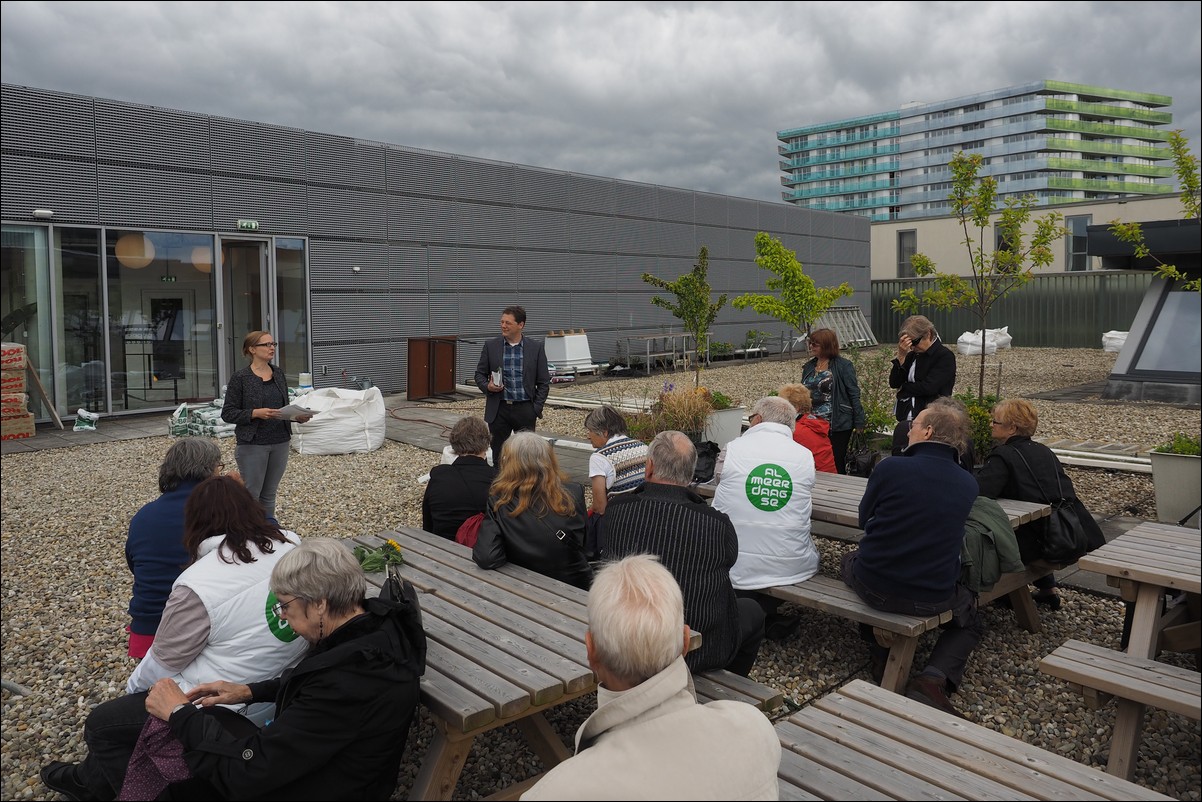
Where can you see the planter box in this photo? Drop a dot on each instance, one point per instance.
(1178, 482)
(724, 425)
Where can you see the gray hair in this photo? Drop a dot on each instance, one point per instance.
(774, 409)
(636, 617)
(917, 327)
(470, 435)
(190, 459)
(673, 457)
(605, 420)
(321, 568)
(948, 419)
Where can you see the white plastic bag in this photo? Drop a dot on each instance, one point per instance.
(85, 421)
(1114, 341)
(995, 339)
(346, 422)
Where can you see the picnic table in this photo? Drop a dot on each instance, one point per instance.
(1145, 563)
(503, 647)
(863, 742)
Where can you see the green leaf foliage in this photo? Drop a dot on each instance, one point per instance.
(798, 302)
(692, 305)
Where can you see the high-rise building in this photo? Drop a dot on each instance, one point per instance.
(1059, 142)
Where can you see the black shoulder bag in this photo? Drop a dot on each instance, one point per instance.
(1064, 538)
(402, 593)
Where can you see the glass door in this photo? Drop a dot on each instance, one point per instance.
(245, 296)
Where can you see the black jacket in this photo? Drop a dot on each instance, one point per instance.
(342, 719)
(1005, 476)
(243, 395)
(934, 376)
(455, 493)
(552, 545)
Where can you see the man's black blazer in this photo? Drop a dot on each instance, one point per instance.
(535, 375)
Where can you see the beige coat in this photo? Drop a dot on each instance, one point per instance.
(655, 742)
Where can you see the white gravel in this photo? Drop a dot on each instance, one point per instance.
(66, 586)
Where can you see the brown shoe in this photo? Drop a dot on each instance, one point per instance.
(931, 691)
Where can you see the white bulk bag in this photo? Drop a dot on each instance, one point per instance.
(995, 339)
(345, 421)
(1113, 341)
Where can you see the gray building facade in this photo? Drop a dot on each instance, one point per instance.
(141, 244)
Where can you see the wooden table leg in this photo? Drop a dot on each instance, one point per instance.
(544, 740)
(1124, 743)
(441, 767)
(1145, 623)
(901, 658)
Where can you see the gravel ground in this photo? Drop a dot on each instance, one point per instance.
(66, 586)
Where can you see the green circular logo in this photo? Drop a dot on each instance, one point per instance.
(769, 487)
(278, 628)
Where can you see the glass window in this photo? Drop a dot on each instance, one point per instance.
(80, 322)
(1075, 257)
(1175, 336)
(292, 298)
(161, 301)
(907, 246)
(25, 304)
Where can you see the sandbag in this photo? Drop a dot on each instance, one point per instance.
(995, 339)
(1114, 341)
(345, 422)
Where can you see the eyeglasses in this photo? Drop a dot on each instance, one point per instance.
(997, 423)
(280, 608)
(264, 345)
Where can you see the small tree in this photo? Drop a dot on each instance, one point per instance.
(800, 302)
(1186, 166)
(693, 307)
(996, 272)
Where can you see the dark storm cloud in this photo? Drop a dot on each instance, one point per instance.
(684, 94)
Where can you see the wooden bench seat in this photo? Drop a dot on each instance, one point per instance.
(900, 633)
(862, 742)
(1103, 674)
(714, 686)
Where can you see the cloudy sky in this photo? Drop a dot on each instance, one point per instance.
(685, 94)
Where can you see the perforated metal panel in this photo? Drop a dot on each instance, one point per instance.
(332, 266)
(592, 194)
(421, 219)
(674, 204)
(254, 149)
(341, 160)
(353, 213)
(535, 187)
(484, 224)
(151, 135)
(66, 187)
(711, 209)
(420, 173)
(51, 123)
(742, 213)
(540, 228)
(408, 268)
(587, 232)
(635, 200)
(280, 208)
(145, 197)
(484, 181)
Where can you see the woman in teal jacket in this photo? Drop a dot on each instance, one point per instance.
(834, 392)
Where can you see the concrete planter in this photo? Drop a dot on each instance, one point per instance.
(1178, 482)
(724, 425)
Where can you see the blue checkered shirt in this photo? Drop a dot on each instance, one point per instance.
(511, 373)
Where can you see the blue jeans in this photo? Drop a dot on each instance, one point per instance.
(262, 468)
(959, 636)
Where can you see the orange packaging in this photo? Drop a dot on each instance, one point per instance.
(12, 381)
(12, 356)
(17, 427)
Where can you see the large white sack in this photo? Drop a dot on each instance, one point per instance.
(347, 421)
(1114, 341)
(995, 339)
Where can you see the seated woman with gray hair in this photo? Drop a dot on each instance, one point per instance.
(342, 715)
(618, 465)
(458, 491)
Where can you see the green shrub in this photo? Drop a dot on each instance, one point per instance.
(980, 412)
(1182, 443)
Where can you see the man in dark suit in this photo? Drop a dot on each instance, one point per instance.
(923, 370)
(514, 378)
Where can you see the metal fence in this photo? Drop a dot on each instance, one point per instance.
(1055, 310)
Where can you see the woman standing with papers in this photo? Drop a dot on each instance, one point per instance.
(253, 400)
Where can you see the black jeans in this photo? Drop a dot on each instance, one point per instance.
(751, 635)
(958, 638)
(111, 732)
(511, 418)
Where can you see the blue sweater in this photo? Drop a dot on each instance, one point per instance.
(913, 515)
(156, 555)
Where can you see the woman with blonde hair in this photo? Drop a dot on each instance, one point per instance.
(812, 432)
(535, 516)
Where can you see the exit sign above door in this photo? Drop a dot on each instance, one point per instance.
(248, 225)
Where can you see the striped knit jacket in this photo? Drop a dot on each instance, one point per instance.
(629, 458)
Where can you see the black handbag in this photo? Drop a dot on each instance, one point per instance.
(1066, 537)
(402, 593)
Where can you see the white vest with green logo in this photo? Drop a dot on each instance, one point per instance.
(766, 487)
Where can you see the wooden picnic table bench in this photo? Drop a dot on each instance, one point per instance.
(863, 742)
